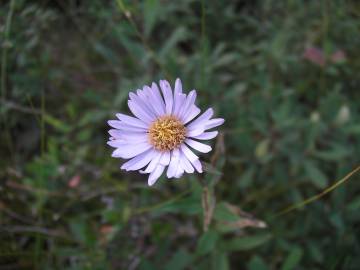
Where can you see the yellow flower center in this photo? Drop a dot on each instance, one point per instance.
(166, 133)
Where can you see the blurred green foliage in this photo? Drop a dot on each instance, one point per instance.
(284, 75)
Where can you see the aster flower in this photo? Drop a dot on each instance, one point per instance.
(163, 129)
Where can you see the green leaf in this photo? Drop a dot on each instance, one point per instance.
(336, 153)
(180, 260)
(293, 259)
(178, 35)
(223, 213)
(225, 60)
(134, 49)
(151, 11)
(82, 232)
(247, 177)
(257, 263)
(188, 206)
(106, 52)
(354, 205)
(220, 261)
(317, 177)
(352, 130)
(56, 123)
(262, 148)
(208, 168)
(207, 242)
(147, 265)
(246, 242)
(315, 252)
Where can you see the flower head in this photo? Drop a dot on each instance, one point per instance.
(163, 128)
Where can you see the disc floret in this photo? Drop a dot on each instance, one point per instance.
(167, 133)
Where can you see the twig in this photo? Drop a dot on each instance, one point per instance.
(318, 196)
(208, 205)
(13, 106)
(91, 41)
(33, 229)
(153, 207)
(219, 149)
(4, 53)
(202, 44)
(151, 52)
(14, 215)
(16, 185)
(4, 70)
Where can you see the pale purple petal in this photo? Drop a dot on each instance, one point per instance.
(197, 165)
(201, 147)
(122, 126)
(191, 157)
(188, 153)
(179, 171)
(126, 128)
(206, 135)
(173, 163)
(178, 86)
(115, 133)
(114, 123)
(168, 96)
(155, 174)
(185, 163)
(179, 100)
(142, 104)
(201, 119)
(165, 158)
(131, 150)
(156, 93)
(132, 121)
(139, 161)
(144, 97)
(154, 99)
(192, 113)
(134, 137)
(139, 112)
(189, 102)
(116, 143)
(154, 162)
(214, 123)
(195, 132)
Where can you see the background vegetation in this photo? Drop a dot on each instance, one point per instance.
(284, 75)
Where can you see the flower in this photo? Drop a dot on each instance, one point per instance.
(162, 131)
(315, 56)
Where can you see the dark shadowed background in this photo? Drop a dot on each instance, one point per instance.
(284, 75)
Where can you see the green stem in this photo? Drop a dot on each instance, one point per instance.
(142, 210)
(4, 71)
(325, 27)
(147, 47)
(318, 196)
(5, 45)
(203, 45)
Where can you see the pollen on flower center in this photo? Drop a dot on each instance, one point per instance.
(166, 133)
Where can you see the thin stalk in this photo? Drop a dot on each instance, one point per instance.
(318, 196)
(151, 52)
(7, 133)
(5, 49)
(150, 208)
(325, 27)
(203, 45)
